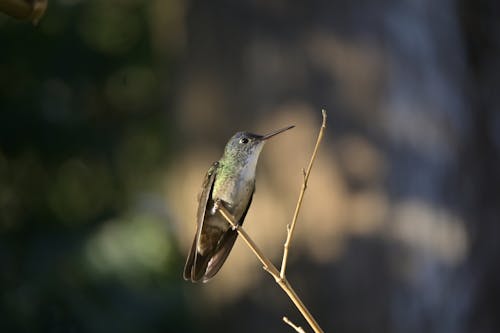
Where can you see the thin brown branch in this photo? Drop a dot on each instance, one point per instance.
(298, 329)
(291, 228)
(269, 267)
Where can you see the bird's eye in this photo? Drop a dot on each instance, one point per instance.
(244, 140)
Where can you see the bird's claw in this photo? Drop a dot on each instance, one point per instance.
(215, 207)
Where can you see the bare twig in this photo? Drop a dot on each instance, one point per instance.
(291, 228)
(298, 329)
(269, 267)
(280, 277)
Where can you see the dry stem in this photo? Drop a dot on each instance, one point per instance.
(280, 277)
(298, 329)
(269, 267)
(290, 228)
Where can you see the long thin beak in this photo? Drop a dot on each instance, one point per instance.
(273, 133)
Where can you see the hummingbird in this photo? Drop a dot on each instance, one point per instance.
(230, 181)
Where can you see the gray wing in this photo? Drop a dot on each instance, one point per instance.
(192, 264)
(227, 243)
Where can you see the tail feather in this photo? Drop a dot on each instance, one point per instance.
(203, 267)
(196, 264)
(218, 259)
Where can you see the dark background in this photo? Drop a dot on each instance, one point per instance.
(110, 112)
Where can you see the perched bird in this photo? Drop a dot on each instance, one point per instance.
(232, 181)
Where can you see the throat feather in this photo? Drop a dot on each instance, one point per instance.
(234, 184)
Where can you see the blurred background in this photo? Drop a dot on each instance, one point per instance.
(112, 111)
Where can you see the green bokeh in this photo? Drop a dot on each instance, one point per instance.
(84, 140)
